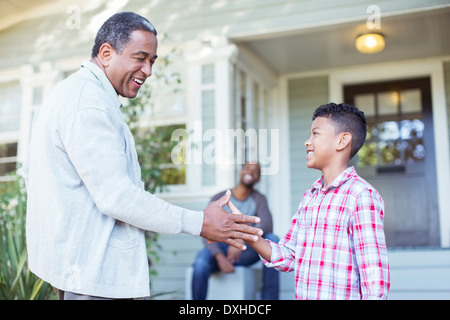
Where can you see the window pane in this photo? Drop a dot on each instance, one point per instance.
(208, 104)
(37, 95)
(257, 106)
(208, 122)
(9, 106)
(7, 167)
(174, 175)
(390, 154)
(8, 150)
(411, 101)
(8, 154)
(208, 74)
(389, 130)
(171, 173)
(243, 81)
(372, 131)
(365, 103)
(159, 163)
(393, 142)
(411, 129)
(388, 103)
(415, 151)
(367, 155)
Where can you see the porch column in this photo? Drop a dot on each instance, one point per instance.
(216, 55)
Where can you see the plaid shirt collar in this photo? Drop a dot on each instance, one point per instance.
(343, 177)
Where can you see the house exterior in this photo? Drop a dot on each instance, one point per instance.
(252, 72)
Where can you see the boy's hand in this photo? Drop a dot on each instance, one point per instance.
(234, 254)
(219, 225)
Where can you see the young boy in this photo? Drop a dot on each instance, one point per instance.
(335, 243)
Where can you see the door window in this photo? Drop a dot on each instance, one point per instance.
(395, 128)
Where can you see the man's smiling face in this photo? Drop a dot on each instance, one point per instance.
(128, 69)
(250, 174)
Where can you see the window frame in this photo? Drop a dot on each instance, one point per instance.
(422, 83)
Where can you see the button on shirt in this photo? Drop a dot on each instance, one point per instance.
(87, 207)
(336, 244)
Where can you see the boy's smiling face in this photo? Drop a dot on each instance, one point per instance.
(322, 144)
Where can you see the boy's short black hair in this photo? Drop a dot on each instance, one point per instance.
(346, 118)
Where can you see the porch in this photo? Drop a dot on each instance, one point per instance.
(416, 273)
(301, 52)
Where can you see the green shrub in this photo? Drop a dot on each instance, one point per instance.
(16, 280)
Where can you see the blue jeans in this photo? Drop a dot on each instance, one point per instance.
(205, 264)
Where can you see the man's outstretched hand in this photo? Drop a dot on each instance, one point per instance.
(219, 225)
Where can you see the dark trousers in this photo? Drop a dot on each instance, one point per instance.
(205, 264)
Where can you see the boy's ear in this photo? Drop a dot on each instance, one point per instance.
(345, 140)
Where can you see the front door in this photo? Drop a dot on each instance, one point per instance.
(398, 158)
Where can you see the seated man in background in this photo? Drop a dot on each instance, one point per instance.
(222, 257)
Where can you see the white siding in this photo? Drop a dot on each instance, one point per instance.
(420, 274)
(177, 253)
(305, 95)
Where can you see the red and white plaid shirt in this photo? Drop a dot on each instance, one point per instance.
(336, 243)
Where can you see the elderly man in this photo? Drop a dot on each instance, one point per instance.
(87, 208)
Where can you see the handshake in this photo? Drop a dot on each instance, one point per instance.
(221, 226)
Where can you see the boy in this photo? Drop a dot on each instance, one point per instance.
(335, 243)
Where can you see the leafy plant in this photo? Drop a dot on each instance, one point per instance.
(16, 280)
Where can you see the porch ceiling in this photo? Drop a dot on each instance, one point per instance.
(12, 11)
(10, 7)
(408, 36)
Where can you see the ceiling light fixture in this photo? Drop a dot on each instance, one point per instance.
(370, 43)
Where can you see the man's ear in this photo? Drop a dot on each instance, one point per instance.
(105, 54)
(345, 140)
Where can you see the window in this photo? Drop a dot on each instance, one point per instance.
(10, 105)
(154, 147)
(395, 127)
(250, 104)
(171, 173)
(8, 158)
